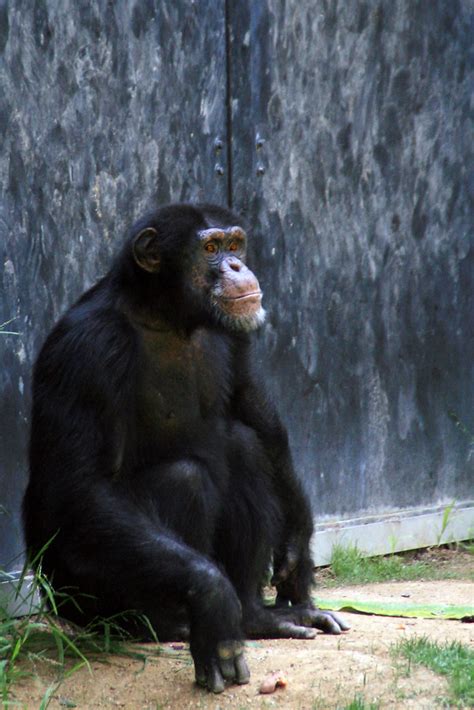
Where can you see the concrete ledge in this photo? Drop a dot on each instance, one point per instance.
(373, 534)
(15, 601)
(394, 532)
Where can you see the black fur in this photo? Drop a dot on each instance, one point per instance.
(160, 474)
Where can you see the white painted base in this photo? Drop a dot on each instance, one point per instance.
(394, 532)
(15, 601)
(372, 534)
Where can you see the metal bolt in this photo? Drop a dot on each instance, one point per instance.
(260, 170)
(219, 170)
(218, 145)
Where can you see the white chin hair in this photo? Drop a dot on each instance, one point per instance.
(241, 324)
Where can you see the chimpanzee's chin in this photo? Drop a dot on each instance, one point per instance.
(244, 323)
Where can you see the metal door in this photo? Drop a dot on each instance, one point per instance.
(342, 131)
(353, 161)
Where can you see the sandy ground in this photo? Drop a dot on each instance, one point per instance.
(327, 672)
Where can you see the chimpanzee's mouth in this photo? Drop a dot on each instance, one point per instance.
(253, 295)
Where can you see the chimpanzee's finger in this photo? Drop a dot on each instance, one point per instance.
(326, 621)
(215, 681)
(200, 674)
(232, 662)
(344, 626)
(285, 566)
(225, 653)
(292, 631)
(242, 672)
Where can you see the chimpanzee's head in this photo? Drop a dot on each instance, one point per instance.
(194, 256)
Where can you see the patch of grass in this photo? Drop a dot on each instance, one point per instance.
(348, 566)
(468, 546)
(43, 636)
(445, 521)
(453, 660)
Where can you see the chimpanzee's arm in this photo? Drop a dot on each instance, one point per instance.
(293, 566)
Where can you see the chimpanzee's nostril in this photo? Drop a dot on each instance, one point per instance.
(235, 265)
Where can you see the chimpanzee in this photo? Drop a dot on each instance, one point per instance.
(161, 478)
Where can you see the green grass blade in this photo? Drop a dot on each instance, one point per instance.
(47, 697)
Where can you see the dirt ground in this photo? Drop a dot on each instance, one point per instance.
(327, 672)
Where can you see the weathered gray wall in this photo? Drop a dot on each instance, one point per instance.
(352, 143)
(364, 207)
(105, 109)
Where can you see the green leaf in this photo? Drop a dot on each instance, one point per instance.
(421, 611)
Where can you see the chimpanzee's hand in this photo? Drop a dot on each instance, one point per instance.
(293, 578)
(310, 617)
(298, 622)
(225, 662)
(216, 635)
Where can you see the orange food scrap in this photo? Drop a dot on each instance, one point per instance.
(271, 682)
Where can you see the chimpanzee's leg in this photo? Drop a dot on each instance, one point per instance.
(114, 568)
(182, 496)
(118, 555)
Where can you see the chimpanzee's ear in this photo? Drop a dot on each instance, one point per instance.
(146, 251)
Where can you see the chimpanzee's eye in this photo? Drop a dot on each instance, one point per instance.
(233, 246)
(211, 248)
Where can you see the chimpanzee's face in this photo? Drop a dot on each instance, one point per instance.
(202, 269)
(231, 287)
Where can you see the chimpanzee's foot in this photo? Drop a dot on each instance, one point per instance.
(298, 621)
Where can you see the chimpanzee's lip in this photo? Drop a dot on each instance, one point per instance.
(253, 294)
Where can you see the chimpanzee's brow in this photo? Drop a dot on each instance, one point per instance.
(216, 233)
(212, 233)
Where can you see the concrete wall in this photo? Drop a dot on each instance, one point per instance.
(355, 121)
(105, 110)
(349, 129)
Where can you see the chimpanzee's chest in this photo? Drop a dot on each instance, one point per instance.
(184, 382)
